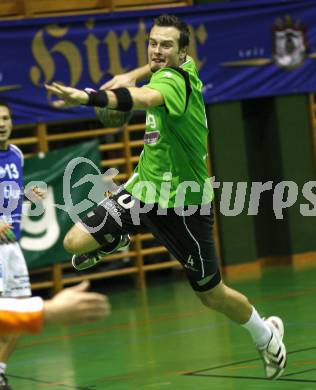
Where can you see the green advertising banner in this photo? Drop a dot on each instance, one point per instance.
(74, 185)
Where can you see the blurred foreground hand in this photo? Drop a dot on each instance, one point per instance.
(76, 305)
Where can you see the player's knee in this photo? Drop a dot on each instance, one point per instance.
(214, 299)
(212, 302)
(71, 243)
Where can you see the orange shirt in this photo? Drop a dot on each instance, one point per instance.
(21, 315)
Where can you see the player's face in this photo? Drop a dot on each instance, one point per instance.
(163, 48)
(5, 123)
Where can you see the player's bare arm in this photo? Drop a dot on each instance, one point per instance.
(129, 79)
(123, 99)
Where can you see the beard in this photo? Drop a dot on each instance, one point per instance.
(156, 66)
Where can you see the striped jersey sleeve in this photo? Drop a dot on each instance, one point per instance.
(21, 315)
(18, 152)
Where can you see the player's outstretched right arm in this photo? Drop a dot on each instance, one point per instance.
(121, 99)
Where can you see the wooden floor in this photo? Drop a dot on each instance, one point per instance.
(165, 339)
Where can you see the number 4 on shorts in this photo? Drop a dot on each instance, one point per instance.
(190, 261)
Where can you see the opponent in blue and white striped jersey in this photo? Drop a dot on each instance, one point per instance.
(11, 187)
(14, 278)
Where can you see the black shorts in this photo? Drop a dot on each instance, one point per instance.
(189, 238)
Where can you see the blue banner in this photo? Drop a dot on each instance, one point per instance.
(242, 49)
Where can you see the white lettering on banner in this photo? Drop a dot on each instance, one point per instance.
(43, 232)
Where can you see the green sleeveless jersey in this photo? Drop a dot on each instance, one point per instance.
(172, 168)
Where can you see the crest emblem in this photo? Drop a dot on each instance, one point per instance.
(289, 43)
(151, 137)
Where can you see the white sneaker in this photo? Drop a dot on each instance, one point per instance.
(274, 354)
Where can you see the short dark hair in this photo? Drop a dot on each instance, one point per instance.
(5, 105)
(166, 20)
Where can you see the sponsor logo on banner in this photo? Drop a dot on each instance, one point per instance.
(289, 47)
(289, 43)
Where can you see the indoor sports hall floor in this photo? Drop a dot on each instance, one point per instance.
(165, 339)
